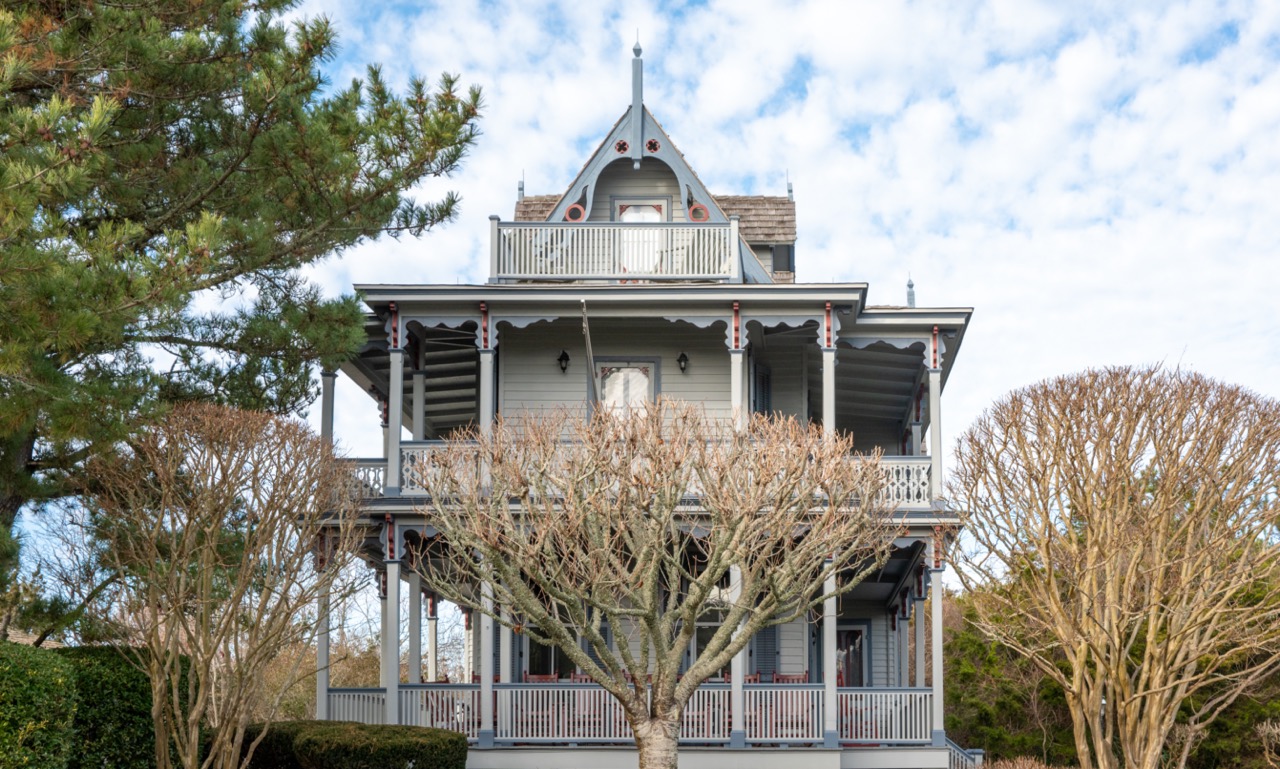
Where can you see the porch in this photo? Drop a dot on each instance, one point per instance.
(582, 713)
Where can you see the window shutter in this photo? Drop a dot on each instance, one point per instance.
(767, 653)
(784, 259)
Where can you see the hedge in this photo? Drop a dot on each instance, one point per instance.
(37, 708)
(113, 725)
(345, 745)
(329, 745)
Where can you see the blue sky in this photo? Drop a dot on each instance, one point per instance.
(1100, 182)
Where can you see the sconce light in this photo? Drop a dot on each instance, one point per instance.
(683, 360)
(564, 361)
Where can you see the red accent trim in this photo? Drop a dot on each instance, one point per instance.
(431, 604)
(828, 325)
(919, 399)
(484, 326)
(384, 411)
(935, 346)
(391, 538)
(737, 327)
(937, 547)
(382, 584)
(466, 618)
(395, 326)
(694, 211)
(576, 208)
(893, 619)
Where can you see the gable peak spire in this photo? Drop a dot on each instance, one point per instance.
(637, 105)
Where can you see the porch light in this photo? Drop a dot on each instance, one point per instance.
(564, 361)
(683, 360)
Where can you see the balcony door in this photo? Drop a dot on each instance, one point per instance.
(639, 249)
(850, 657)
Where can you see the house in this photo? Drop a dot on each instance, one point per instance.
(691, 295)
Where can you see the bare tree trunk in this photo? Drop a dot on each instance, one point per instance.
(658, 741)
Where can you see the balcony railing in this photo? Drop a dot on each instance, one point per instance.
(567, 251)
(906, 479)
(586, 713)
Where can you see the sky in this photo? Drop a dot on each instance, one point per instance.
(1101, 183)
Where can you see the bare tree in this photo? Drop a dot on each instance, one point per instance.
(211, 521)
(644, 523)
(1124, 529)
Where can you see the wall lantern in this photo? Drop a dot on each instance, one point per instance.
(564, 361)
(683, 360)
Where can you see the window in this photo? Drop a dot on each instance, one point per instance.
(850, 657)
(639, 248)
(626, 385)
(545, 660)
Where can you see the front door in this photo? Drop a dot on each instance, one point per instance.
(850, 651)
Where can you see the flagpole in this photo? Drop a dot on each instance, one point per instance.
(592, 393)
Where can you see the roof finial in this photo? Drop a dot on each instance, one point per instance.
(637, 106)
(911, 291)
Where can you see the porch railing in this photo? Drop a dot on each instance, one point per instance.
(907, 479)
(586, 713)
(367, 706)
(611, 251)
(897, 716)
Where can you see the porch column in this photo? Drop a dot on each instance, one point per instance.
(415, 627)
(485, 738)
(419, 404)
(935, 585)
(737, 676)
(391, 642)
(433, 640)
(917, 432)
(829, 391)
(737, 386)
(327, 380)
(830, 703)
(918, 621)
(904, 657)
(322, 654)
(395, 408)
(504, 648)
(935, 433)
(487, 406)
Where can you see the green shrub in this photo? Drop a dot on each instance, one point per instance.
(37, 708)
(325, 745)
(276, 749)
(113, 725)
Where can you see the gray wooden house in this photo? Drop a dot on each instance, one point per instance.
(691, 295)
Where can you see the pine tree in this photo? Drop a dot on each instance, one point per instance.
(157, 159)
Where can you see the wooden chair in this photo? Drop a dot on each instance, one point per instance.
(580, 678)
(751, 678)
(542, 678)
(791, 678)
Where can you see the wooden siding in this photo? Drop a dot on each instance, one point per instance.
(530, 377)
(793, 647)
(620, 180)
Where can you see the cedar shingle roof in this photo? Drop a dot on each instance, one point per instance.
(535, 208)
(764, 219)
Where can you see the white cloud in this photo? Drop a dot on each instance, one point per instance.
(1100, 183)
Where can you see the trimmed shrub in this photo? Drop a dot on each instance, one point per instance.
(329, 745)
(37, 708)
(276, 749)
(113, 717)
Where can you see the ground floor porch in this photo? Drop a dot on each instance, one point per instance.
(585, 714)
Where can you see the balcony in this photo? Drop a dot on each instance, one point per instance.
(906, 479)
(565, 251)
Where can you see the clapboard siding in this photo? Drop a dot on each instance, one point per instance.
(531, 379)
(793, 647)
(620, 180)
(883, 434)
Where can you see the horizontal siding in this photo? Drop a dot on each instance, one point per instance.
(620, 180)
(786, 372)
(531, 379)
(793, 647)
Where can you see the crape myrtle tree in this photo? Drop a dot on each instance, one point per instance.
(643, 522)
(1124, 539)
(213, 523)
(157, 156)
